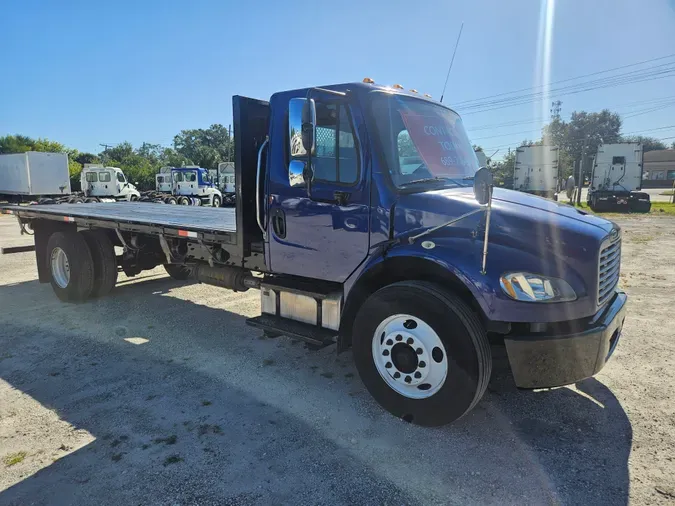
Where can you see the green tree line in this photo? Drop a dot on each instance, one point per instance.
(204, 147)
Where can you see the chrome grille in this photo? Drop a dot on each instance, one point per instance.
(608, 268)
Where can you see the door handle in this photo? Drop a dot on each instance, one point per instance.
(341, 198)
(279, 222)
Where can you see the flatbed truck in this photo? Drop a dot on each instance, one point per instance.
(419, 268)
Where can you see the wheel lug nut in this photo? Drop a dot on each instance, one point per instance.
(418, 351)
(422, 363)
(389, 342)
(399, 337)
(385, 353)
(418, 375)
(388, 365)
(410, 340)
(397, 375)
(408, 379)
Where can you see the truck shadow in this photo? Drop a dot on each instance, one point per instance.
(206, 411)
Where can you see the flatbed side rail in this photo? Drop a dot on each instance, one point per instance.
(124, 225)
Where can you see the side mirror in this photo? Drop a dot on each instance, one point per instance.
(301, 126)
(296, 173)
(482, 185)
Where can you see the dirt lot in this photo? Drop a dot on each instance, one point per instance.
(160, 394)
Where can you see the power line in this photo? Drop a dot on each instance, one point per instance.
(619, 80)
(568, 79)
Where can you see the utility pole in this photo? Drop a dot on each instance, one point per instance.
(580, 184)
(106, 146)
(231, 146)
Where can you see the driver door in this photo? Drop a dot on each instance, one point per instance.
(323, 234)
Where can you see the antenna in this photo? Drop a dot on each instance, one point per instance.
(452, 60)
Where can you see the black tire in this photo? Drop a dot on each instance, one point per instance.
(178, 272)
(78, 200)
(184, 201)
(171, 201)
(81, 280)
(105, 263)
(133, 198)
(216, 201)
(466, 347)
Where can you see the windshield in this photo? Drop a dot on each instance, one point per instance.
(423, 142)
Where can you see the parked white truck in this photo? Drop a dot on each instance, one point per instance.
(616, 179)
(535, 170)
(107, 184)
(33, 175)
(225, 181)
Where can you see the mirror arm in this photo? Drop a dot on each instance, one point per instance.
(413, 238)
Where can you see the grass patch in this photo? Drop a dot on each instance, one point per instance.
(206, 403)
(657, 208)
(668, 193)
(171, 440)
(641, 239)
(14, 458)
(267, 361)
(172, 459)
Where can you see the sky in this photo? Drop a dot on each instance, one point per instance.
(89, 73)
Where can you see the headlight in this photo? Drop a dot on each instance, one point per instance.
(528, 287)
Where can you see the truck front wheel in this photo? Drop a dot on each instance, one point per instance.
(71, 266)
(421, 352)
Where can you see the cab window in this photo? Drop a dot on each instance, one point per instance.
(178, 177)
(120, 177)
(91, 177)
(104, 177)
(336, 158)
(190, 177)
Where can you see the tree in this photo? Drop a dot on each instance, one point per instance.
(15, 144)
(83, 158)
(648, 143)
(581, 136)
(205, 147)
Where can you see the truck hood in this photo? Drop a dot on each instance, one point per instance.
(435, 207)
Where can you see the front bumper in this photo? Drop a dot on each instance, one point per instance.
(540, 361)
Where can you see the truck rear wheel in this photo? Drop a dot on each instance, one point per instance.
(421, 352)
(179, 272)
(105, 263)
(71, 266)
(216, 201)
(184, 201)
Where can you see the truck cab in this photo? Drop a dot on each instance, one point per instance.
(195, 182)
(107, 183)
(164, 181)
(225, 178)
(616, 179)
(363, 218)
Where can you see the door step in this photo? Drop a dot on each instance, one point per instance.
(315, 337)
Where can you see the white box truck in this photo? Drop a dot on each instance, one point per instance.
(616, 179)
(535, 170)
(25, 176)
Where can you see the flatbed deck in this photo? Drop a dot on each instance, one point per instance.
(207, 221)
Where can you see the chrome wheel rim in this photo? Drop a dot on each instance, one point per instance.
(410, 356)
(60, 267)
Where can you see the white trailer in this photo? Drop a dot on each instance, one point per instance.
(24, 176)
(535, 170)
(225, 180)
(616, 179)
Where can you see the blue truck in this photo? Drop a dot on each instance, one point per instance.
(361, 218)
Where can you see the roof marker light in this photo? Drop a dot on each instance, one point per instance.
(397, 87)
(368, 80)
(413, 90)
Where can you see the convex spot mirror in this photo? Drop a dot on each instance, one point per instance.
(482, 185)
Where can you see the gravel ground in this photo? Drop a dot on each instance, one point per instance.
(160, 394)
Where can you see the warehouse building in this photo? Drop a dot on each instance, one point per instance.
(658, 168)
